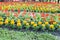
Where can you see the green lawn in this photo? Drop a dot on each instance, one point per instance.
(6, 34)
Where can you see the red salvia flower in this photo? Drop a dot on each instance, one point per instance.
(47, 15)
(15, 14)
(18, 11)
(24, 12)
(0, 8)
(58, 18)
(58, 14)
(12, 10)
(6, 9)
(0, 3)
(33, 14)
(7, 14)
(42, 15)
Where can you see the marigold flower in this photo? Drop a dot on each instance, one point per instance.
(59, 26)
(32, 23)
(54, 22)
(18, 24)
(39, 23)
(6, 21)
(1, 18)
(43, 25)
(12, 22)
(52, 26)
(35, 25)
(27, 24)
(1, 22)
(24, 22)
(46, 23)
(18, 21)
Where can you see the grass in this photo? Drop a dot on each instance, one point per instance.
(6, 34)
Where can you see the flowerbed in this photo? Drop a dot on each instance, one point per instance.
(35, 21)
(23, 16)
(31, 6)
(9, 16)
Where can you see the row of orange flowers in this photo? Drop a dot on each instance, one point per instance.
(30, 6)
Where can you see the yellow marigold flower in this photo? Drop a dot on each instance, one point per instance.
(1, 22)
(41, 8)
(39, 23)
(46, 23)
(32, 23)
(18, 24)
(59, 26)
(27, 24)
(51, 26)
(24, 22)
(6, 21)
(1, 18)
(12, 22)
(18, 20)
(54, 22)
(35, 25)
(43, 25)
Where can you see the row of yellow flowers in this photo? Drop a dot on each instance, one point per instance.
(35, 25)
